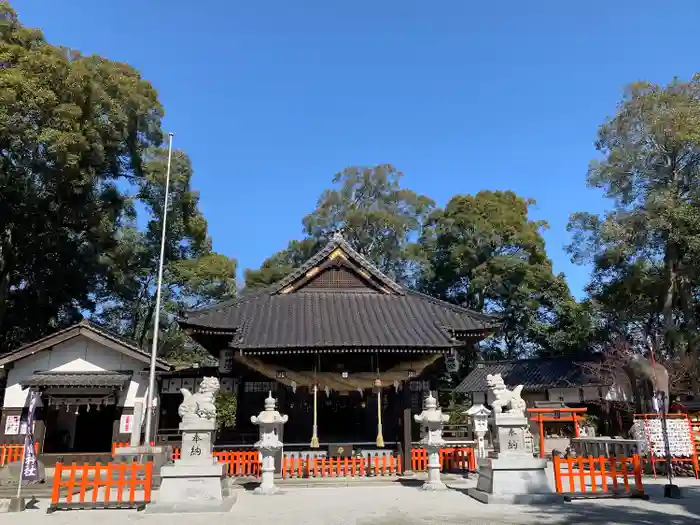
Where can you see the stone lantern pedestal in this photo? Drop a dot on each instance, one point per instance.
(432, 419)
(270, 423)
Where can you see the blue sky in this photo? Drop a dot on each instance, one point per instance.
(271, 97)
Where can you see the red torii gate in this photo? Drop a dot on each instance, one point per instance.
(559, 415)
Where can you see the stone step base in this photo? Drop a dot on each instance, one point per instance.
(416, 479)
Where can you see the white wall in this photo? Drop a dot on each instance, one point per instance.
(618, 393)
(79, 354)
(569, 395)
(566, 395)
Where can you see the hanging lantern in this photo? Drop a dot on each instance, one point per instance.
(361, 391)
(294, 387)
(327, 391)
(397, 385)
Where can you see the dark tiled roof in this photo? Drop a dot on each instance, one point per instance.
(534, 374)
(331, 319)
(77, 380)
(279, 317)
(87, 328)
(383, 318)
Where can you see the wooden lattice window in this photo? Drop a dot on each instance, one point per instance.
(337, 278)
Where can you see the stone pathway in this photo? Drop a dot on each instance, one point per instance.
(398, 505)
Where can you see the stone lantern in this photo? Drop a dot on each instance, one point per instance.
(432, 419)
(270, 422)
(480, 421)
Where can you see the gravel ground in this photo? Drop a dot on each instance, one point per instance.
(400, 505)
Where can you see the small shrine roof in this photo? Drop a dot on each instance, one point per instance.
(91, 330)
(534, 374)
(106, 379)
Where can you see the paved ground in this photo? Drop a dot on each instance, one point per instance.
(399, 505)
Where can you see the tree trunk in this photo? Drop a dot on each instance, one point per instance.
(6, 262)
(670, 266)
(147, 322)
(692, 330)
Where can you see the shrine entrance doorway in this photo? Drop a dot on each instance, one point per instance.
(79, 428)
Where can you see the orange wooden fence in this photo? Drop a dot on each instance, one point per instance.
(118, 483)
(335, 467)
(598, 477)
(246, 463)
(13, 453)
(239, 463)
(459, 459)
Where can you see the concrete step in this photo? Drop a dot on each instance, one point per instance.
(417, 479)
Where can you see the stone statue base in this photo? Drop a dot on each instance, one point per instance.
(192, 488)
(510, 479)
(512, 474)
(195, 482)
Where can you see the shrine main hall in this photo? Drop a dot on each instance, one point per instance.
(347, 351)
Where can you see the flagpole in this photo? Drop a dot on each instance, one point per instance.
(21, 465)
(156, 321)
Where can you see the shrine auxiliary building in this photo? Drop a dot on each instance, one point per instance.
(89, 379)
(339, 344)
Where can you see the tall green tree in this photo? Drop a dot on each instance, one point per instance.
(648, 244)
(378, 217)
(71, 128)
(485, 253)
(281, 264)
(193, 274)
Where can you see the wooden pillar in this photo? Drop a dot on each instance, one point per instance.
(281, 396)
(541, 426)
(407, 425)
